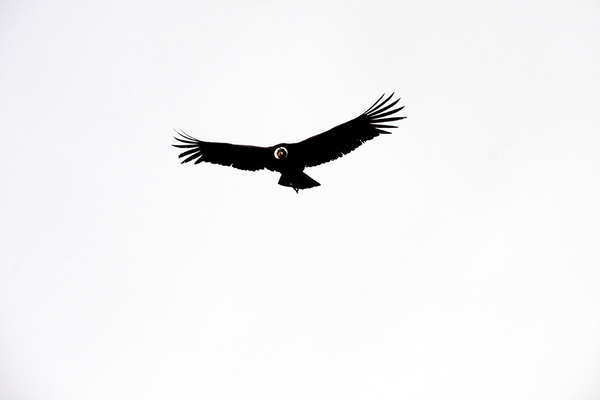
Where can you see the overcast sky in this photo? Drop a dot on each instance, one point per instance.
(455, 259)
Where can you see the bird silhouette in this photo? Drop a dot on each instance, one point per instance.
(290, 159)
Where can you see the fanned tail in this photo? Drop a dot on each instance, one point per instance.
(297, 180)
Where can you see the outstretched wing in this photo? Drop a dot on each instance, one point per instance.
(346, 137)
(250, 158)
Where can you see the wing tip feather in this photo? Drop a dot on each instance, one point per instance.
(373, 105)
(379, 107)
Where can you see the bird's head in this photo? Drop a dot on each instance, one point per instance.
(280, 153)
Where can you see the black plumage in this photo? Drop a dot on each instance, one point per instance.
(290, 159)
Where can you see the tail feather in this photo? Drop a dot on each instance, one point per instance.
(297, 181)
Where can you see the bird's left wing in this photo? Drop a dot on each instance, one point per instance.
(249, 158)
(346, 137)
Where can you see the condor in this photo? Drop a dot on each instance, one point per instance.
(290, 159)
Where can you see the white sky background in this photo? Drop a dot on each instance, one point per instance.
(455, 259)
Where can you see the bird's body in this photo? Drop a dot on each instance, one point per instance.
(290, 159)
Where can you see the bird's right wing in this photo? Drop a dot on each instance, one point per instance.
(346, 137)
(249, 158)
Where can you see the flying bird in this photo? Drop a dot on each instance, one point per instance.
(290, 159)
